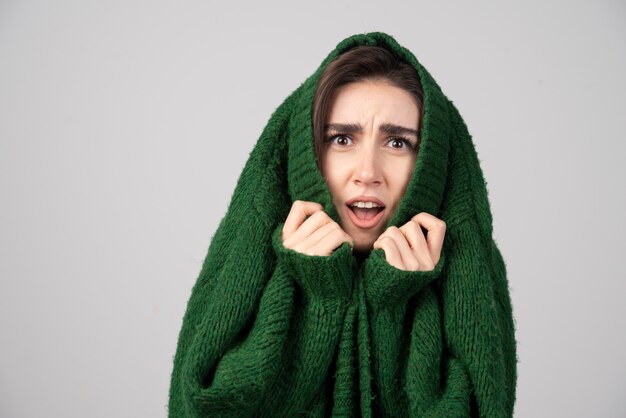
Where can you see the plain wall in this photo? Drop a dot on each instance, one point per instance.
(124, 126)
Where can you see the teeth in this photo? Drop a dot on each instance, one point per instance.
(366, 205)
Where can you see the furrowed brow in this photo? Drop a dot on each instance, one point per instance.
(347, 128)
(391, 129)
(388, 128)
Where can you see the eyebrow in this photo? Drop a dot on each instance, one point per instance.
(388, 128)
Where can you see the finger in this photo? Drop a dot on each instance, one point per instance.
(415, 238)
(331, 241)
(436, 233)
(314, 222)
(392, 254)
(307, 243)
(409, 259)
(300, 210)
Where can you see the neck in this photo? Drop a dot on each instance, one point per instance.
(361, 255)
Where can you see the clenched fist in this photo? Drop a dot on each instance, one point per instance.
(317, 235)
(406, 248)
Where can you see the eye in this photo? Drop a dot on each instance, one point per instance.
(401, 141)
(343, 139)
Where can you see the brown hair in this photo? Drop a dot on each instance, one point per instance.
(357, 64)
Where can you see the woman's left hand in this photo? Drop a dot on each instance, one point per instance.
(406, 248)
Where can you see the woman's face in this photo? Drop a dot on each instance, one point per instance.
(369, 155)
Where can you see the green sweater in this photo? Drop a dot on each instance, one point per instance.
(270, 332)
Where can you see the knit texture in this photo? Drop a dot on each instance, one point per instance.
(270, 332)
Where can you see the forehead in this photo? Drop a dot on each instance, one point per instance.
(362, 101)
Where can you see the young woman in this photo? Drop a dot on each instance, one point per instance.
(355, 272)
(367, 115)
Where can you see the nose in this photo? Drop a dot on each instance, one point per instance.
(367, 168)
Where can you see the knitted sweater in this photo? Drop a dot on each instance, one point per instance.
(270, 332)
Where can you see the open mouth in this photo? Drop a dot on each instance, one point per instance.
(364, 217)
(365, 214)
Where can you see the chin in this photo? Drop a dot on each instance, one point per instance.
(363, 246)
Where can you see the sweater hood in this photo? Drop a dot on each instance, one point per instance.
(425, 190)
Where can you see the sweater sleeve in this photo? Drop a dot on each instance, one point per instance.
(276, 364)
(506, 326)
(449, 350)
(478, 321)
(412, 372)
(386, 285)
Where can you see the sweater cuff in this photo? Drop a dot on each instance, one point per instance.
(327, 279)
(387, 286)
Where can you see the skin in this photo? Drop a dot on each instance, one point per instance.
(372, 163)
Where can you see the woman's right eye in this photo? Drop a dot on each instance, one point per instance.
(339, 139)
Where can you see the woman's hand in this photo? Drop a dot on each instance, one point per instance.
(317, 235)
(406, 247)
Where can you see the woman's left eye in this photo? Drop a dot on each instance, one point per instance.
(402, 141)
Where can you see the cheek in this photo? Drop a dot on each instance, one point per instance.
(332, 172)
(402, 177)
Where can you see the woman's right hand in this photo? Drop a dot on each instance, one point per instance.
(317, 235)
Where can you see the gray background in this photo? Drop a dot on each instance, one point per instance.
(124, 126)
